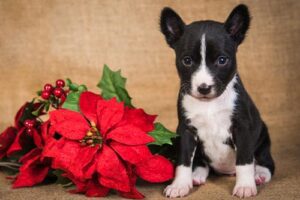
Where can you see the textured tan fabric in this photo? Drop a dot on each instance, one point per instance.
(41, 41)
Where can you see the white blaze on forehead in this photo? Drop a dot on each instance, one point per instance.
(202, 75)
(203, 50)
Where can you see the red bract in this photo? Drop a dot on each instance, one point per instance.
(24, 141)
(105, 146)
(33, 170)
(34, 167)
(18, 123)
(6, 139)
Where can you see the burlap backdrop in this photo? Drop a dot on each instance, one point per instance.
(41, 41)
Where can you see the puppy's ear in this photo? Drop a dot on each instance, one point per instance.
(171, 25)
(238, 23)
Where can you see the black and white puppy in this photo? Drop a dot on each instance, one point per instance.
(220, 127)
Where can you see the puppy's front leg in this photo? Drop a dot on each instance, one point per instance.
(245, 182)
(182, 183)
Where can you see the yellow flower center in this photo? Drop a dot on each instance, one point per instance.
(92, 137)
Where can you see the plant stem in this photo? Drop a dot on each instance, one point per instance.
(9, 164)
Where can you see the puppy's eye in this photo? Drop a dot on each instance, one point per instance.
(187, 61)
(222, 60)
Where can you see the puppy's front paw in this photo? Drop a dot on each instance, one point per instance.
(178, 189)
(244, 191)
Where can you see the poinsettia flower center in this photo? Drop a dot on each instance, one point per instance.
(92, 137)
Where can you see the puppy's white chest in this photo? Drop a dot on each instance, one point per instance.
(212, 119)
(214, 131)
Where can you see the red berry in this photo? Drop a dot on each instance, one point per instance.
(48, 87)
(58, 92)
(29, 123)
(60, 83)
(45, 94)
(29, 131)
(26, 123)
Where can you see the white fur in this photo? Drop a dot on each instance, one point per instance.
(202, 75)
(262, 174)
(199, 175)
(245, 184)
(182, 183)
(213, 120)
(203, 50)
(245, 175)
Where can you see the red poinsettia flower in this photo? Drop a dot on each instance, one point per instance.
(34, 167)
(14, 139)
(103, 145)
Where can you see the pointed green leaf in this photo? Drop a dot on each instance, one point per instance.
(112, 85)
(82, 88)
(68, 81)
(162, 135)
(39, 93)
(47, 106)
(72, 101)
(27, 114)
(38, 111)
(72, 86)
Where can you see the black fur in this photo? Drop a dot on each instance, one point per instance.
(172, 25)
(238, 23)
(249, 132)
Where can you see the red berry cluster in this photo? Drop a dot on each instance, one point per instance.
(57, 91)
(29, 124)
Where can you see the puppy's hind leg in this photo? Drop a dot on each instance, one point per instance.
(265, 167)
(200, 168)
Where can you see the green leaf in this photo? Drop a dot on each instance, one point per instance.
(72, 86)
(82, 88)
(162, 135)
(9, 165)
(68, 81)
(65, 182)
(47, 106)
(166, 143)
(39, 93)
(72, 101)
(112, 85)
(27, 114)
(38, 111)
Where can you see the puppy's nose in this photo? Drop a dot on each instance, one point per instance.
(204, 89)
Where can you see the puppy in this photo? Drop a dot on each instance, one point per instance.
(220, 127)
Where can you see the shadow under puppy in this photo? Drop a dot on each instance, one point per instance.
(219, 125)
